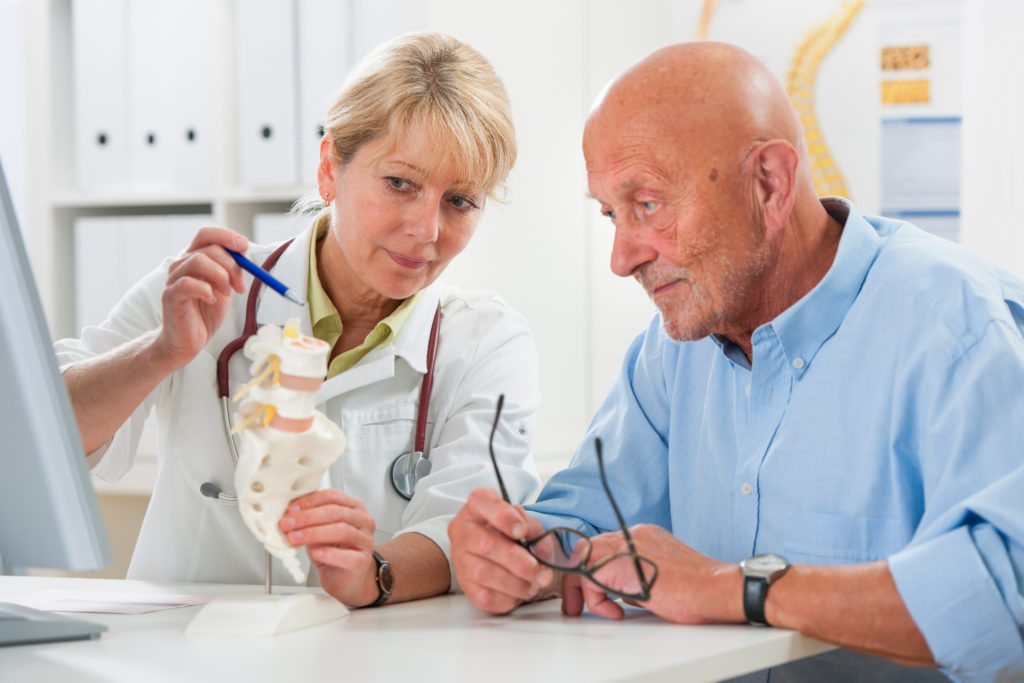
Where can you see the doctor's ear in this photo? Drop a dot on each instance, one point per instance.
(325, 171)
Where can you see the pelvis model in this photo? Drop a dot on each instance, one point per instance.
(285, 443)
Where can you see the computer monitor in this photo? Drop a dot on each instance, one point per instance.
(49, 517)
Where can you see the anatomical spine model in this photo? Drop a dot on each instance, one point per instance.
(285, 444)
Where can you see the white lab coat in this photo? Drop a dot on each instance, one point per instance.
(484, 349)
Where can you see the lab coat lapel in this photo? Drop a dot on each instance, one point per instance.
(293, 270)
(379, 364)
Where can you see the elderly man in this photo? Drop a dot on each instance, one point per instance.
(835, 400)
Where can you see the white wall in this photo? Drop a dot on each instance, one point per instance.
(547, 249)
(993, 141)
(13, 77)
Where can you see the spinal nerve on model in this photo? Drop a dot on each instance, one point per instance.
(285, 443)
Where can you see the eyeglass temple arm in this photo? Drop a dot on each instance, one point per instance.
(644, 584)
(611, 498)
(490, 447)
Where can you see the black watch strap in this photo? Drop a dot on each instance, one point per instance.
(385, 580)
(755, 590)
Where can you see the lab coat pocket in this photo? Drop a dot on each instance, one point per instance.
(375, 438)
(195, 434)
(830, 538)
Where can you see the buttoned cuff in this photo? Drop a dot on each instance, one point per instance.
(946, 586)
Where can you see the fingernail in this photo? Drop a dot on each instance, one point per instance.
(287, 523)
(519, 530)
(294, 508)
(295, 536)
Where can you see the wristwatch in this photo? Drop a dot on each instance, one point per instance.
(385, 580)
(758, 573)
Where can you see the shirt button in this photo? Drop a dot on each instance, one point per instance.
(748, 390)
(798, 362)
(747, 489)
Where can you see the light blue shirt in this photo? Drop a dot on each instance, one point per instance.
(882, 417)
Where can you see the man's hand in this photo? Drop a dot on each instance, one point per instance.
(690, 588)
(338, 531)
(496, 573)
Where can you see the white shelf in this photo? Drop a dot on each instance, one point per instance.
(83, 200)
(55, 201)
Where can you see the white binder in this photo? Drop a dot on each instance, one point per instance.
(98, 255)
(149, 72)
(267, 99)
(191, 110)
(324, 60)
(271, 228)
(112, 253)
(177, 233)
(376, 21)
(99, 46)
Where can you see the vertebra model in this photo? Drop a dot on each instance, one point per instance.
(285, 444)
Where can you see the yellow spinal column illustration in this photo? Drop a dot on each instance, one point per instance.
(707, 11)
(800, 86)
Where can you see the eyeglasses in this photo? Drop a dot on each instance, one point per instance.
(547, 550)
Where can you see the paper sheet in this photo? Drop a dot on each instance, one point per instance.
(99, 602)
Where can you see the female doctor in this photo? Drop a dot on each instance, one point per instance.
(417, 139)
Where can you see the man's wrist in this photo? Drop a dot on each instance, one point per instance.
(728, 589)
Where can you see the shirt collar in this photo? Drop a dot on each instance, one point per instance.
(290, 269)
(322, 313)
(803, 327)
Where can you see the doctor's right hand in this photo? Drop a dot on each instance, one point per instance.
(198, 293)
(496, 573)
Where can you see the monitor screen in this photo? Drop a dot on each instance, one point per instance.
(49, 516)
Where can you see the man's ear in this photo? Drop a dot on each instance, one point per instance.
(774, 176)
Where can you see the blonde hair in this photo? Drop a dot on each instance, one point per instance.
(434, 81)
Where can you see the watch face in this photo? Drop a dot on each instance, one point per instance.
(385, 577)
(764, 565)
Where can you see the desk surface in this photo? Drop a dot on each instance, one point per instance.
(443, 639)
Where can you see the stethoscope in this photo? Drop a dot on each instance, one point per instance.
(406, 469)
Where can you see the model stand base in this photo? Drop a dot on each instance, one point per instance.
(256, 614)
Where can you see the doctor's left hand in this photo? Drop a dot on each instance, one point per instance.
(337, 531)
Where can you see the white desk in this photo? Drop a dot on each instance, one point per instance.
(440, 639)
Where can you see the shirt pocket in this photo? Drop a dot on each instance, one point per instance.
(829, 538)
(376, 437)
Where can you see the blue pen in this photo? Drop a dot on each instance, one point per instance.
(265, 277)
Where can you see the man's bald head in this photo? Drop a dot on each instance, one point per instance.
(715, 95)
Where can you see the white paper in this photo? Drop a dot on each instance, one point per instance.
(99, 602)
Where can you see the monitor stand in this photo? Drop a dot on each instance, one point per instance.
(20, 625)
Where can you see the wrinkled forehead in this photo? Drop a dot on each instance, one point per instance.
(662, 134)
